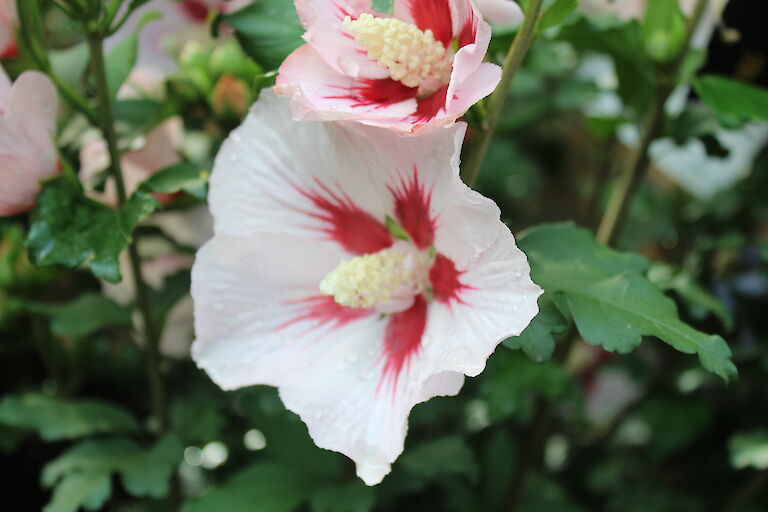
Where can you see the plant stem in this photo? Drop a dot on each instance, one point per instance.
(609, 227)
(629, 182)
(151, 340)
(512, 62)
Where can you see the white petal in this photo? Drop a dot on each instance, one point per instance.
(504, 13)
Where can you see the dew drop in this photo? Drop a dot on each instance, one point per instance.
(233, 157)
(236, 137)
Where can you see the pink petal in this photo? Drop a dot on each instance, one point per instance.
(333, 43)
(319, 92)
(504, 13)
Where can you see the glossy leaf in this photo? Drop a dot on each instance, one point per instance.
(612, 302)
(733, 100)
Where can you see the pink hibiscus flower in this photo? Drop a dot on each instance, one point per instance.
(354, 270)
(8, 20)
(28, 111)
(422, 66)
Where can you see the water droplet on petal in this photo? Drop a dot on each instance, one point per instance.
(236, 137)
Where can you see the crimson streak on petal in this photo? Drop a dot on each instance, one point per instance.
(324, 311)
(412, 209)
(378, 93)
(402, 338)
(434, 15)
(355, 230)
(430, 106)
(444, 277)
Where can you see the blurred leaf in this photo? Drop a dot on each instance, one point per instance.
(612, 303)
(68, 228)
(181, 177)
(353, 496)
(444, 456)
(85, 315)
(80, 472)
(675, 423)
(557, 13)
(268, 30)
(120, 61)
(499, 455)
(382, 6)
(733, 100)
(666, 278)
(538, 339)
(749, 450)
(69, 64)
(266, 487)
(197, 418)
(56, 418)
(663, 29)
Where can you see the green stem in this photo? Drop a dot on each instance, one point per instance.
(107, 124)
(630, 181)
(512, 62)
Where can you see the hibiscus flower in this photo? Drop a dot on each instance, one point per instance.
(421, 66)
(353, 269)
(28, 111)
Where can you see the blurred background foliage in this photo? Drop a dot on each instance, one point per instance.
(649, 431)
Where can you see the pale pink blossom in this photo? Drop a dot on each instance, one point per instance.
(8, 22)
(424, 66)
(353, 269)
(504, 13)
(635, 9)
(28, 111)
(158, 150)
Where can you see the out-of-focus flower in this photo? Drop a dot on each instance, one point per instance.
(504, 13)
(231, 95)
(422, 66)
(353, 269)
(192, 228)
(635, 9)
(158, 150)
(28, 111)
(8, 20)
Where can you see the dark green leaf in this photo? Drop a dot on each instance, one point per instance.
(56, 418)
(610, 299)
(86, 315)
(266, 487)
(445, 456)
(538, 339)
(557, 13)
(268, 30)
(732, 100)
(182, 177)
(67, 228)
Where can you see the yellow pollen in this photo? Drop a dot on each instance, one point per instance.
(370, 279)
(411, 55)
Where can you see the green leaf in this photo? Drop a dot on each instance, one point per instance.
(267, 487)
(444, 456)
(749, 450)
(353, 496)
(85, 315)
(144, 472)
(68, 228)
(268, 30)
(382, 6)
(56, 418)
(612, 303)
(557, 13)
(538, 339)
(663, 29)
(182, 177)
(732, 100)
(122, 58)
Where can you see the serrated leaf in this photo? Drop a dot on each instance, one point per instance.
(749, 450)
(56, 418)
(557, 13)
(440, 457)
(68, 228)
(268, 30)
(612, 303)
(144, 472)
(733, 100)
(538, 339)
(85, 315)
(271, 487)
(182, 177)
